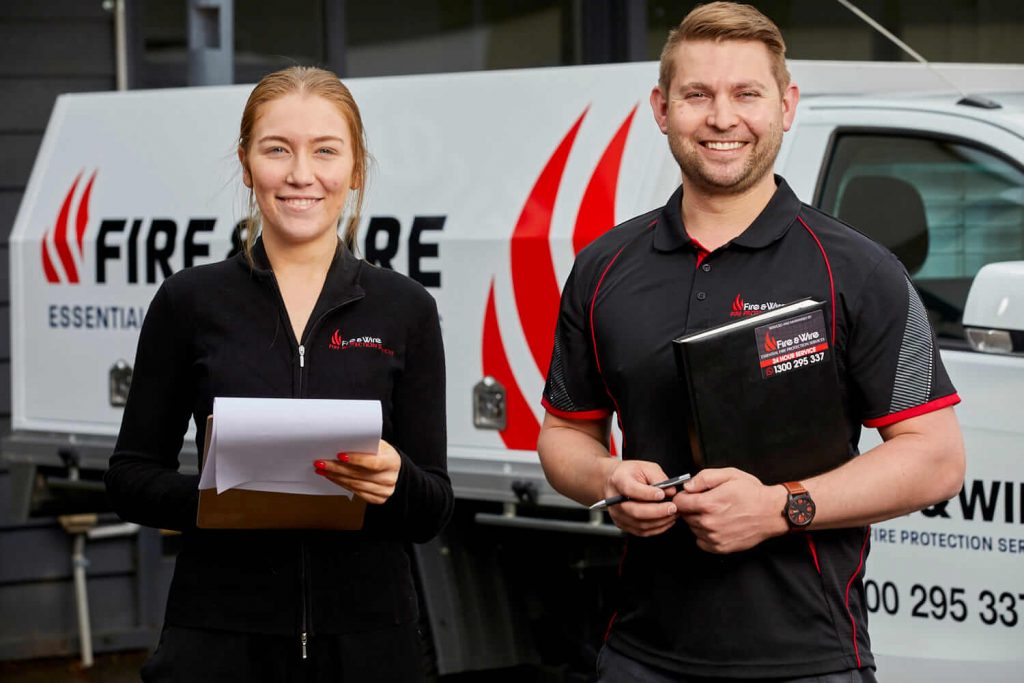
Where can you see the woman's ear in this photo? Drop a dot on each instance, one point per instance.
(246, 176)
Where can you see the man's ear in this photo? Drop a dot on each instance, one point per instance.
(790, 98)
(659, 106)
(246, 176)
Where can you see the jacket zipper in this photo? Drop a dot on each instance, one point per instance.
(304, 578)
(307, 592)
(303, 571)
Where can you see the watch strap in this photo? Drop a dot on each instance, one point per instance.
(795, 488)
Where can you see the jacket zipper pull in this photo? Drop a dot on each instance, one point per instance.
(302, 356)
(304, 645)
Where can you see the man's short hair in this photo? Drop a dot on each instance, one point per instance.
(719, 21)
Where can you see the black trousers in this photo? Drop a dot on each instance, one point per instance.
(615, 667)
(190, 655)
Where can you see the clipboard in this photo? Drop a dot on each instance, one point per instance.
(243, 509)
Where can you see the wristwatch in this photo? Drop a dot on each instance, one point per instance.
(799, 510)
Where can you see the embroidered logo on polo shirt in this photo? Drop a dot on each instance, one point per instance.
(742, 309)
(373, 343)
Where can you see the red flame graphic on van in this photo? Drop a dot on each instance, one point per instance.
(61, 238)
(769, 342)
(534, 282)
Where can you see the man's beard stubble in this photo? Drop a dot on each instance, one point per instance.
(757, 165)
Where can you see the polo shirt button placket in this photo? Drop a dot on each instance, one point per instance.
(701, 296)
(706, 267)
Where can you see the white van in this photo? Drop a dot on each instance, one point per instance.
(484, 187)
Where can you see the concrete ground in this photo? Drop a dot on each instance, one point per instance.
(123, 667)
(120, 667)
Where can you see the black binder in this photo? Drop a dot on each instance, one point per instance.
(763, 394)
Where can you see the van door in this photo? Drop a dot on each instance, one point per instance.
(945, 583)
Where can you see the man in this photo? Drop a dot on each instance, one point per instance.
(715, 582)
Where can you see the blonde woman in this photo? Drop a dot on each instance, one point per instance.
(291, 605)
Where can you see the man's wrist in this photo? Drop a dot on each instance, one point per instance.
(608, 467)
(779, 497)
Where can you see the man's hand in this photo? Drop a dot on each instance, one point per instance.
(729, 510)
(650, 511)
(576, 461)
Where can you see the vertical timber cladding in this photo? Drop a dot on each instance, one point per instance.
(46, 48)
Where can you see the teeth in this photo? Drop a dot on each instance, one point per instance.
(300, 203)
(723, 145)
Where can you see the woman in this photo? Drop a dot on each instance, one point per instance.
(291, 605)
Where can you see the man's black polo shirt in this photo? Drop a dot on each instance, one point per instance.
(793, 605)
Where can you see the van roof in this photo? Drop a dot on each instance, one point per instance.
(1009, 114)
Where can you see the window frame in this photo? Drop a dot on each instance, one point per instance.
(903, 132)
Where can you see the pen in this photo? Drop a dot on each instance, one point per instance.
(615, 500)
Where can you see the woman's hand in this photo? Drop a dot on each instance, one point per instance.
(371, 476)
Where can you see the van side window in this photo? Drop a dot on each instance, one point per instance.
(944, 207)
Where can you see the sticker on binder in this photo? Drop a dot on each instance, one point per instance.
(789, 345)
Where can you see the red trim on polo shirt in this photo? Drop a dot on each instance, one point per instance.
(593, 339)
(814, 553)
(608, 630)
(593, 302)
(831, 282)
(702, 253)
(575, 415)
(622, 562)
(924, 408)
(860, 568)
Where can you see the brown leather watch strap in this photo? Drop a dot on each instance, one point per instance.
(795, 488)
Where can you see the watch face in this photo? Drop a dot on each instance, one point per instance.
(800, 510)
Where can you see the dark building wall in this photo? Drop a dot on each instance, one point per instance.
(47, 47)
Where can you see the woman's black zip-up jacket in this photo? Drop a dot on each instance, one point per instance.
(222, 330)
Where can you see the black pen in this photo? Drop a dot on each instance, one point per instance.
(615, 500)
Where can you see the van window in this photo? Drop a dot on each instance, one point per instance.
(944, 207)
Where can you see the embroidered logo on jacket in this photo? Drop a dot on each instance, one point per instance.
(742, 309)
(373, 343)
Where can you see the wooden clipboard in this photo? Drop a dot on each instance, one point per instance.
(242, 509)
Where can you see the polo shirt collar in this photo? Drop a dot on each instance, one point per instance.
(770, 225)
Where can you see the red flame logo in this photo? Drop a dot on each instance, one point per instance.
(56, 241)
(534, 282)
(769, 342)
(737, 303)
(335, 342)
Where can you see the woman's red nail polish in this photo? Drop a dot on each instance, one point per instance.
(320, 465)
(343, 457)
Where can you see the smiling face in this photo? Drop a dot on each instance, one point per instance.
(299, 164)
(724, 115)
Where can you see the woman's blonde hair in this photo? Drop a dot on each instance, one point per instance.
(307, 80)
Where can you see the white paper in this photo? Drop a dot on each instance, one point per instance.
(270, 444)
